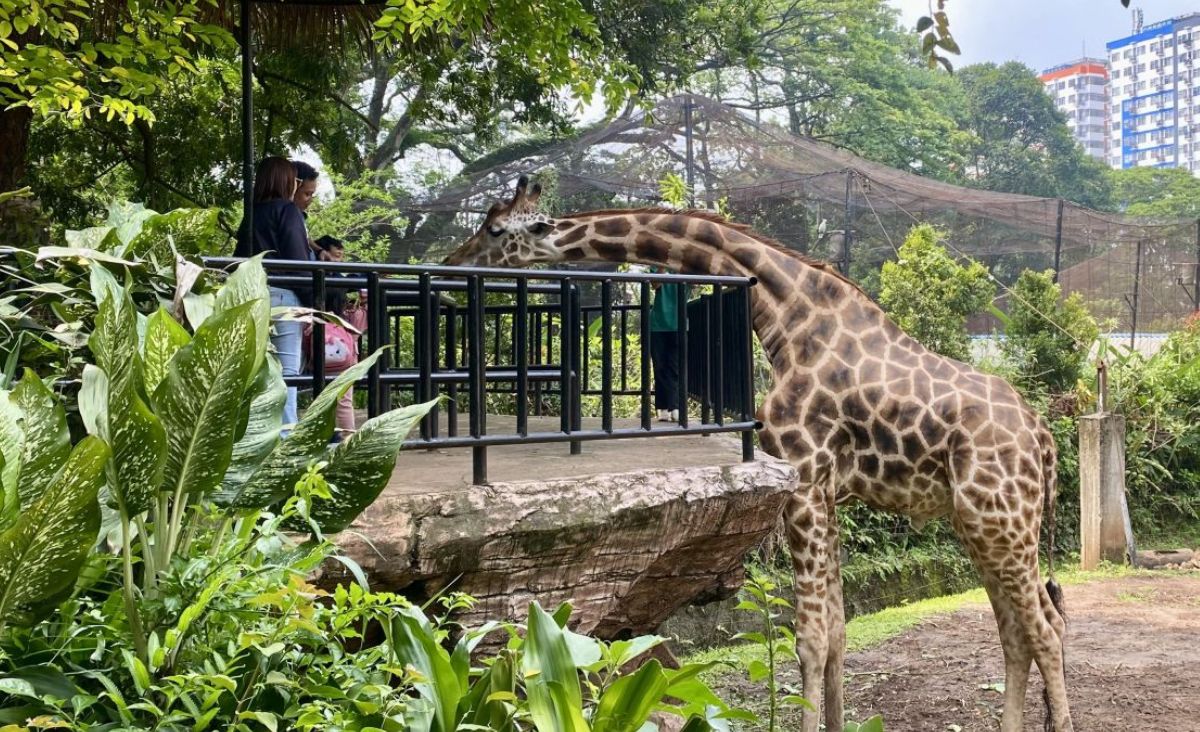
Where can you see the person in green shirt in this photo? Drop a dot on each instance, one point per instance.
(664, 349)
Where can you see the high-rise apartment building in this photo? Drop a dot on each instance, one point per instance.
(1079, 90)
(1154, 96)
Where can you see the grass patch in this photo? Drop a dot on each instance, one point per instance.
(1171, 535)
(868, 631)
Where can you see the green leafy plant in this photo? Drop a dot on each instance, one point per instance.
(192, 419)
(930, 296)
(773, 645)
(1047, 337)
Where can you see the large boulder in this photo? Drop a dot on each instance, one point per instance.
(627, 549)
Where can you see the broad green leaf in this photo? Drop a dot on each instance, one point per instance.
(248, 283)
(551, 678)
(415, 644)
(686, 684)
(484, 704)
(103, 284)
(874, 724)
(268, 394)
(41, 554)
(164, 336)
(359, 467)
(758, 670)
(82, 255)
(627, 650)
(627, 703)
(198, 308)
(47, 442)
(100, 238)
(93, 401)
(200, 399)
(38, 681)
(188, 231)
(135, 433)
(276, 476)
(266, 719)
(127, 219)
(11, 441)
(585, 650)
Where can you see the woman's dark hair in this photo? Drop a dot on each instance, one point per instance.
(304, 171)
(328, 242)
(274, 180)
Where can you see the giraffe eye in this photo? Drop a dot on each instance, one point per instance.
(495, 230)
(540, 228)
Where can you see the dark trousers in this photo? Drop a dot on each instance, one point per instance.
(664, 357)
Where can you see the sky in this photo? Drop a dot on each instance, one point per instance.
(1040, 33)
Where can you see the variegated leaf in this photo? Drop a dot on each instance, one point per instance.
(276, 477)
(103, 284)
(262, 430)
(248, 283)
(11, 439)
(164, 336)
(40, 555)
(134, 433)
(200, 400)
(360, 467)
(47, 442)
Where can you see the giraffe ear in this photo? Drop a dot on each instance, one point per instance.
(534, 194)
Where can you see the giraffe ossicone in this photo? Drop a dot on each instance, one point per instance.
(863, 412)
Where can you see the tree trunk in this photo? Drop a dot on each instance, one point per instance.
(14, 146)
(149, 188)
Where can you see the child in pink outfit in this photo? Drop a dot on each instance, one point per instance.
(341, 346)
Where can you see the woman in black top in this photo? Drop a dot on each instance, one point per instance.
(279, 231)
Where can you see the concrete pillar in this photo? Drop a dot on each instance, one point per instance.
(1104, 528)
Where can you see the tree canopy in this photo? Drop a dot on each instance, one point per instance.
(1158, 193)
(1021, 141)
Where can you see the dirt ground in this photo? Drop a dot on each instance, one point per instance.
(1133, 645)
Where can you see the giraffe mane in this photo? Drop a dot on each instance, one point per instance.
(720, 220)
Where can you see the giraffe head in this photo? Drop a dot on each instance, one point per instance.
(513, 234)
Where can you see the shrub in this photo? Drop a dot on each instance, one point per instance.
(930, 296)
(1047, 337)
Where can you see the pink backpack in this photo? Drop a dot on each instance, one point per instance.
(341, 347)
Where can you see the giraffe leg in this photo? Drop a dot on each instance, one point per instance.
(835, 613)
(1030, 627)
(807, 527)
(1017, 658)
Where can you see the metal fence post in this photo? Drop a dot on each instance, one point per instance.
(317, 342)
(1058, 229)
(846, 235)
(375, 329)
(748, 381)
(475, 338)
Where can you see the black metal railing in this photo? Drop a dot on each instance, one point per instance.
(525, 338)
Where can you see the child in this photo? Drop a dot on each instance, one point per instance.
(341, 346)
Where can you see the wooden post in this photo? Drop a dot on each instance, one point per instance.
(1104, 528)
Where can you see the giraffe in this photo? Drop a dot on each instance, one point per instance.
(863, 412)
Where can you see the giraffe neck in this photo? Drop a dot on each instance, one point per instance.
(800, 308)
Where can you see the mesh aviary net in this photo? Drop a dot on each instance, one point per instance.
(806, 194)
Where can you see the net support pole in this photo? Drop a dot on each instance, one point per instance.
(1058, 226)
(846, 236)
(1137, 292)
(1196, 278)
(247, 117)
(690, 157)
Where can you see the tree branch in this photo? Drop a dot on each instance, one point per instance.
(266, 74)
